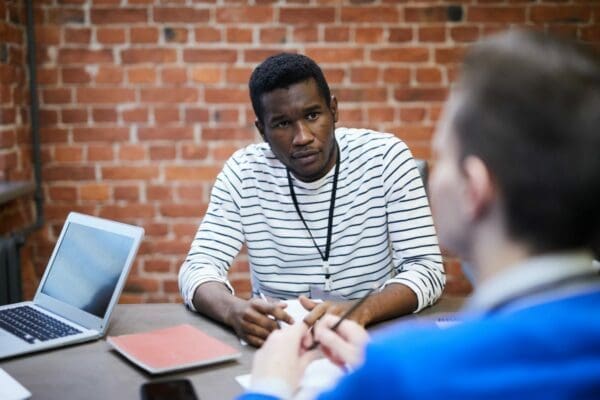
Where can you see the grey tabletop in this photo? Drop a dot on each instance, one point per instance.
(95, 371)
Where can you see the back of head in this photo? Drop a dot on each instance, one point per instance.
(530, 109)
(281, 71)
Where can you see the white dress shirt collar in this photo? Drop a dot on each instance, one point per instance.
(534, 272)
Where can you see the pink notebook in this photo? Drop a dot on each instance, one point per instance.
(171, 349)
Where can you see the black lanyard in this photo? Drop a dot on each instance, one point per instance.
(324, 257)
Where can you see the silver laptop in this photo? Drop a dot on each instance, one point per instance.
(79, 289)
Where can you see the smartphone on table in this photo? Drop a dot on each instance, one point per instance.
(174, 389)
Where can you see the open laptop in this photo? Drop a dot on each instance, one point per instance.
(79, 289)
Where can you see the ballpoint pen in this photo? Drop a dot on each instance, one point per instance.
(344, 316)
(263, 297)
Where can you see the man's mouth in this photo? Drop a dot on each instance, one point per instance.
(304, 154)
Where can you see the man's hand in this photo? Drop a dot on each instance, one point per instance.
(345, 346)
(282, 359)
(253, 320)
(318, 310)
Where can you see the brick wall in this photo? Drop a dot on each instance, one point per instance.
(143, 100)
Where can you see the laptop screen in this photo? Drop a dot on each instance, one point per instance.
(87, 267)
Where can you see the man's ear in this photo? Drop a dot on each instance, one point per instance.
(333, 107)
(261, 129)
(480, 187)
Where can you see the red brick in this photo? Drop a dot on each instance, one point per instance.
(429, 75)
(314, 15)
(181, 14)
(244, 14)
(100, 152)
(208, 75)
(69, 116)
(218, 96)
(159, 153)
(412, 114)
(130, 173)
(157, 265)
(399, 35)
(132, 152)
(405, 54)
(361, 94)
(62, 193)
(569, 14)
(109, 134)
(174, 75)
(110, 35)
(47, 34)
(68, 173)
(127, 193)
(175, 35)
(181, 210)
(143, 35)
(590, 34)
(75, 75)
(368, 35)
(191, 173)
(118, 15)
(170, 95)
(272, 35)
(464, 33)
(164, 133)
(209, 56)
(126, 213)
(227, 133)
(77, 35)
(339, 55)
(64, 15)
(306, 34)
(141, 75)
(104, 115)
(68, 154)
(337, 34)
(156, 55)
(207, 35)
(194, 151)
(47, 76)
(109, 75)
(380, 114)
(224, 115)
(191, 192)
(162, 193)
(364, 74)
(104, 95)
(432, 34)
(94, 191)
(449, 56)
(496, 14)
(426, 14)
(185, 230)
(223, 152)
(420, 94)
(84, 56)
(196, 115)
(48, 117)
(239, 35)
(166, 114)
(370, 14)
(135, 115)
(56, 96)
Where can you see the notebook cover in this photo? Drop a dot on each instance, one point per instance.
(171, 349)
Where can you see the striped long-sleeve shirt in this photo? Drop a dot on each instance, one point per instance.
(382, 227)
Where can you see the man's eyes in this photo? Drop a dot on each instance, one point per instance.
(281, 124)
(312, 116)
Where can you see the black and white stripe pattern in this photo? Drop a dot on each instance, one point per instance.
(382, 227)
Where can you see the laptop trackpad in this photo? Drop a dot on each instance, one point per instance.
(8, 341)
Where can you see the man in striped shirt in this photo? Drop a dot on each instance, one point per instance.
(320, 210)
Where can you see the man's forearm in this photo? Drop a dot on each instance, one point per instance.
(214, 300)
(394, 300)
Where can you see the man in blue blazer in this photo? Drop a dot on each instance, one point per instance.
(515, 191)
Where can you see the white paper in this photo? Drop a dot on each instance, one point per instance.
(10, 389)
(320, 375)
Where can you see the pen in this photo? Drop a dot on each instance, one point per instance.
(345, 315)
(263, 297)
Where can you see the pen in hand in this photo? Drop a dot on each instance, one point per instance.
(345, 315)
(263, 297)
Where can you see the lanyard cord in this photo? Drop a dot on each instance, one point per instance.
(325, 257)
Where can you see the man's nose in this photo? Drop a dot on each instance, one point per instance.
(302, 135)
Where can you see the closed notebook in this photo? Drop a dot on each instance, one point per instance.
(171, 349)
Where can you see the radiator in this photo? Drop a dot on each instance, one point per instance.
(10, 270)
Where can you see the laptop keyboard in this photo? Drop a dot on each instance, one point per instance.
(31, 325)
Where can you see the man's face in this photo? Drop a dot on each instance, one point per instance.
(299, 124)
(447, 186)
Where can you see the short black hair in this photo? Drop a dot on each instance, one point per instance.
(529, 107)
(281, 71)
